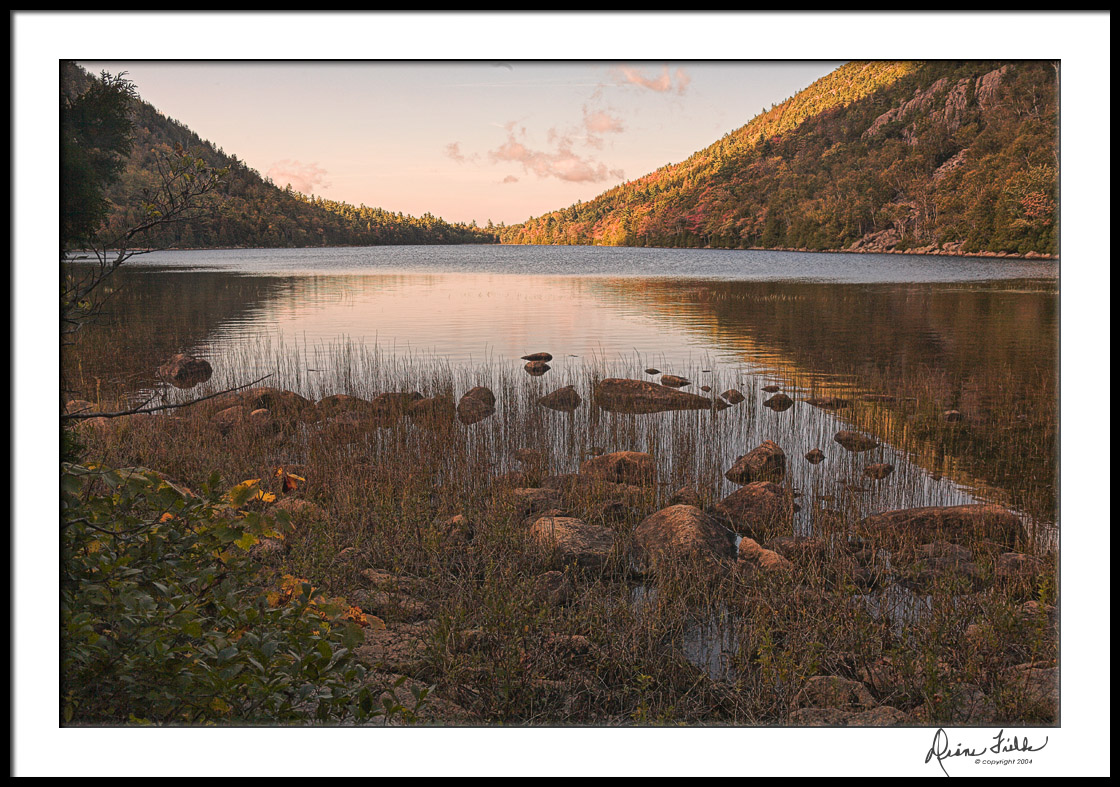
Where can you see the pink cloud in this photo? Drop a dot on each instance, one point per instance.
(453, 152)
(304, 178)
(562, 163)
(661, 84)
(601, 122)
(509, 179)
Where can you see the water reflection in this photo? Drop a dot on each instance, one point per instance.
(984, 346)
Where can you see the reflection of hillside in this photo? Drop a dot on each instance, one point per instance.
(149, 315)
(989, 350)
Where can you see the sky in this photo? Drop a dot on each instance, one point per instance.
(466, 141)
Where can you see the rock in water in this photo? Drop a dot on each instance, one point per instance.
(955, 524)
(816, 456)
(537, 357)
(855, 442)
(674, 381)
(564, 399)
(878, 471)
(185, 371)
(778, 403)
(537, 368)
(641, 396)
(771, 388)
(829, 402)
(476, 405)
(757, 508)
(767, 462)
(651, 370)
(733, 396)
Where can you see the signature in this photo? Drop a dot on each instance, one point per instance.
(941, 750)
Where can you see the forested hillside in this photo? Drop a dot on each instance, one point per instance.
(248, 210)
(958, 157)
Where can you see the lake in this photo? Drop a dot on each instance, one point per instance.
(904, 338)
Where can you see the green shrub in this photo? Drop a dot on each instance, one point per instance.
(166, 619)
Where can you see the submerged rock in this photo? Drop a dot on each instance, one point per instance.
(778, 403)
(640, 396)
(564, 400)
(767, 462)
(185, 371)
(878, 471)
(829, 402)
(855, 442)
(965, 523)
(537, 368)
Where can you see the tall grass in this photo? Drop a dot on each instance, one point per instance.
(688, 644)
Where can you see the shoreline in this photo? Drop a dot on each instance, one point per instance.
(923, 251)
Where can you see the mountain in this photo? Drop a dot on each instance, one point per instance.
(249, 210)
(956, 157)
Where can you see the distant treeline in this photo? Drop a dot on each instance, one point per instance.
(249, 210)
(874, 156)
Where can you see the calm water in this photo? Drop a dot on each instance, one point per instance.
(978, 335)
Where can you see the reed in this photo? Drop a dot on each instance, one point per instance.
(687, 644)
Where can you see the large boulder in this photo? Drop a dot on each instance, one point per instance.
(956, 524)
(563, 400)
(476, 405)
(185, 371)
(767, 462)
(573, 540)
(640, 396)
(621, 467)
(757, 509)
(681, 533)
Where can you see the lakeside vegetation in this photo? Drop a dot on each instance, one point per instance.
(943, 156)
(435, 527)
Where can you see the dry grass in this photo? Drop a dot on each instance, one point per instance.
(689, 645)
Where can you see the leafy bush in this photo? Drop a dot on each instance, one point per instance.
(166, 619)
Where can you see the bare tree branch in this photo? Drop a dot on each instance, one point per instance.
(81, 416)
